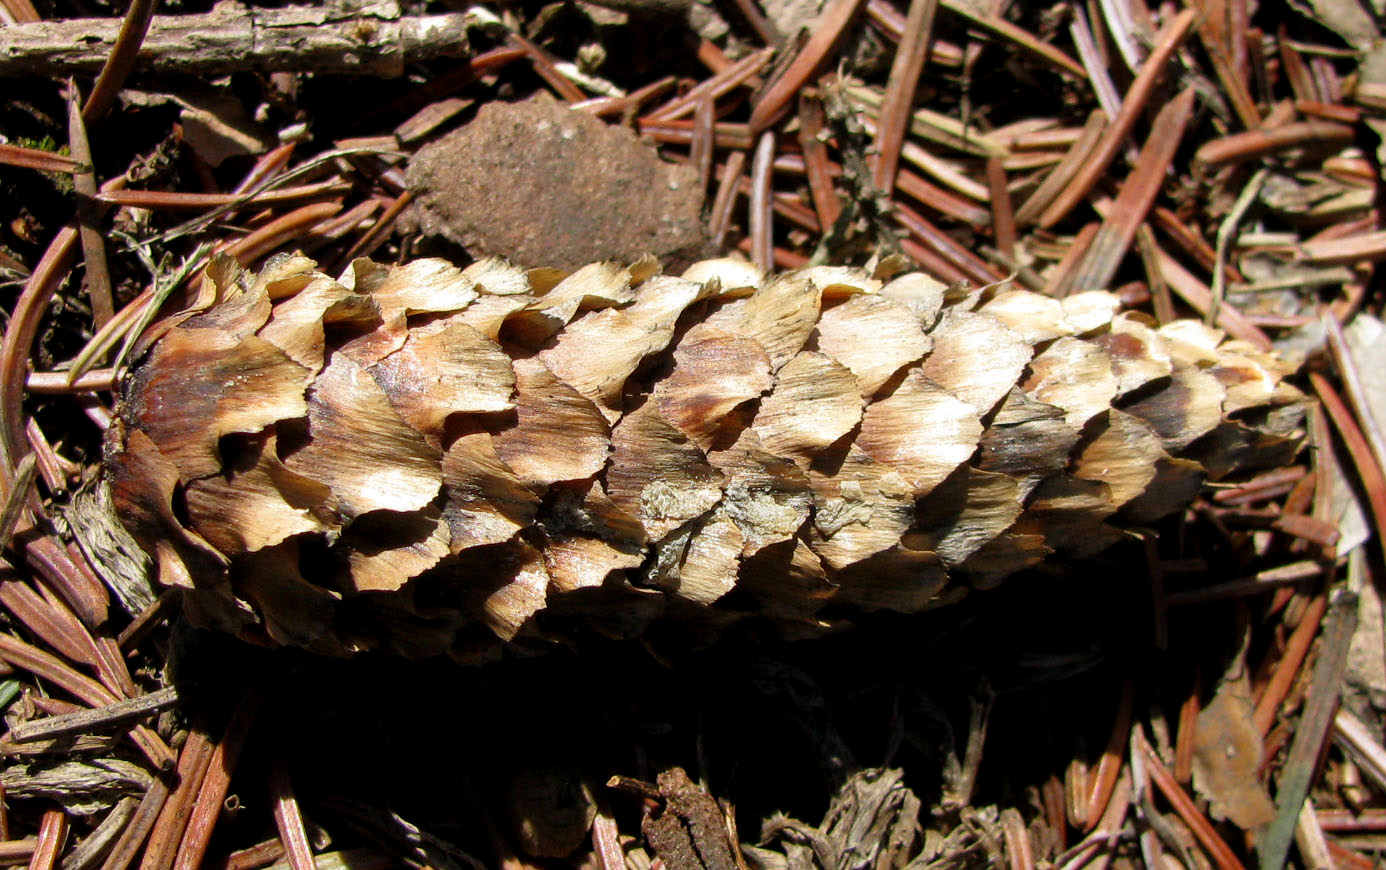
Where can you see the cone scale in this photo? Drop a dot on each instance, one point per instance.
(427, 459)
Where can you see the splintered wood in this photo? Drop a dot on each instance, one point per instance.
(428, 459)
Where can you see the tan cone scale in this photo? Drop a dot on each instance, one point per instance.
(429, 459)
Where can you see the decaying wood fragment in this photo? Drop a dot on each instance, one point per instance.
(371, 37)
(434, 460)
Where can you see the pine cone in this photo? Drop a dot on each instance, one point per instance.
(426, 459)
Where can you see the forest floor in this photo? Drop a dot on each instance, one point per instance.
(1207, 694)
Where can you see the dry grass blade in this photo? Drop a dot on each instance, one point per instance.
(130, 322)
(43, 383)
(1197, 294)
(282, 229)
(761, 213)
(816, 165)
(1356, 389)
(163, 814)
(203, 811)
(1273, 694)
(21, 11)
(184, 201)
(1226, 233)
(49, 843)
(51, 668)
(1109, 765)
(1359, 741)
(1002, 215)
(714, 88)
(1295, 573)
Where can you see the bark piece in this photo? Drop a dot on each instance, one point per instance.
(1139, 356)
(768, 497)
(731, 275)
(546, 185)
(900, 578)
(1071, 513)
(1122, 455)
(789, 584)
(344, 37)
(710, 564)
(836, 282)
(142, 487)
(239, 310)
(1251, 378)
(589, 538)
(596, 285)
(1004, 555)
(488, 314)
(596, 353)
(966, 512)
(497, 276)
(1090, 310)
(504, 586)
(919, 293)
(1191, 342)
(1036, 318)
(296, 612)
(1027, 439)
(300, 321)
(422, 286)
(1184, 410)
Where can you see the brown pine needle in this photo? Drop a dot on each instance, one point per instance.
(1132, 105)
(1138, 192)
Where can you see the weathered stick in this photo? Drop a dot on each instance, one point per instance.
(369, 37)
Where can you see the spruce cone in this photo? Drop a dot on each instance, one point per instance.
(425, 458)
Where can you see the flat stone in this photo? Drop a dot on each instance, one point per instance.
(544, 185)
